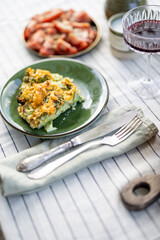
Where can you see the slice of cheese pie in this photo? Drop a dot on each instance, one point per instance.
(43, 96)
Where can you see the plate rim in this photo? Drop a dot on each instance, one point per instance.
(84, 51)
(58, 135)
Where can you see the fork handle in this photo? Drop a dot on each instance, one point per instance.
(43, 171)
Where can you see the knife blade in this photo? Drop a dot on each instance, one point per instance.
(34, 161)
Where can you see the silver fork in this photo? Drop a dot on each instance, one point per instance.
(113, 140)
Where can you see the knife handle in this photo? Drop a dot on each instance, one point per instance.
(45, 170)
(34, 161)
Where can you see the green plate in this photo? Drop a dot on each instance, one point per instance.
(89, 81)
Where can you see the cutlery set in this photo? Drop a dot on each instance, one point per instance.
(112, 140)
(97, 132)
(111, 134)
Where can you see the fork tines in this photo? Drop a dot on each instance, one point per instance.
(129, 128)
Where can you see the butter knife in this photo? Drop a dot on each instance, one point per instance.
(34, 161)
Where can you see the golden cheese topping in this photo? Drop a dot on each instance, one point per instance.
(39, 73)
(44, 97)
(68, 95)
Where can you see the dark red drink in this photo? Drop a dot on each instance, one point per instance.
(141, 31)
(146, 36)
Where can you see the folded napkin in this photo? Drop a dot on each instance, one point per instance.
(13, 182)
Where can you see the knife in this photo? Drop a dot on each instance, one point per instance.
(34, 161)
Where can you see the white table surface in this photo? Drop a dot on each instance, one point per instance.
(85, 205)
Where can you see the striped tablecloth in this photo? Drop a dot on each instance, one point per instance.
(85, 205)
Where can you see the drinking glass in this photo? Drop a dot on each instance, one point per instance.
(141, 31)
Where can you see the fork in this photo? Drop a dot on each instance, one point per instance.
(112, 140)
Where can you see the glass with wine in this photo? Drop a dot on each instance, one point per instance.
(141, 31)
